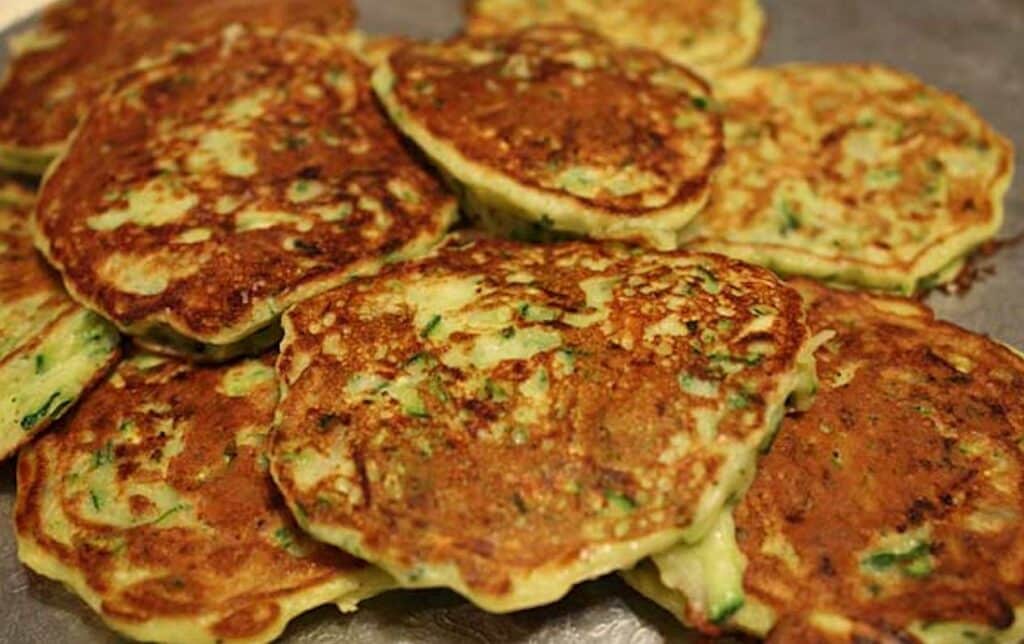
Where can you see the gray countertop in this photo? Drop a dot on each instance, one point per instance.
(975, 49)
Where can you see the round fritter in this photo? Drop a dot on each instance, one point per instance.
(508, 420)
(152, 502)
(51, 349)
(895, 506)
(206, 193)
(708, 35)
(60, 67)
(558, 128)
(855, 174)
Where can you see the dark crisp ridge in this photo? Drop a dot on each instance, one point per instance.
(152, 502)
(508, 420)
(208, 192)
(60, 69)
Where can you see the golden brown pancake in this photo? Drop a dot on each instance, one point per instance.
(208, 192)
(51, 350)
(61, 66)
(711, 36)
(153, 503)
(857, 174)
(509, 420)
(894, 507)
(557, 129)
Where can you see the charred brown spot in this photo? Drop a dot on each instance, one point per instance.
(919, 511)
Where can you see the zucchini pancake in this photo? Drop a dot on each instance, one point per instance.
(556, 129)
(892, 510)
(852, 173)
(51, 349)
(153, 503)
(206, 193)
(710, 36)
(509, 420)
(61, 66)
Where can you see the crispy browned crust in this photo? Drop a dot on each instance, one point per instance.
(891, 452)
(237, 567)
(595, 462)
(46, 91)
(366, 198)
(532, 110)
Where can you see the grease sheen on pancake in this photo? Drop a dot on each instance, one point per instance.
(557, 130)
(711, 36)
(51, 349)
(509, 420)
(894, 507)
(208, 192)
(61, 66)
(852, 173)
(153, 503)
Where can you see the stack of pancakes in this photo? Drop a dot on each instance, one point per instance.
(256, 362)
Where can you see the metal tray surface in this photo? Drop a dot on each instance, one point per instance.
(975, 49)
